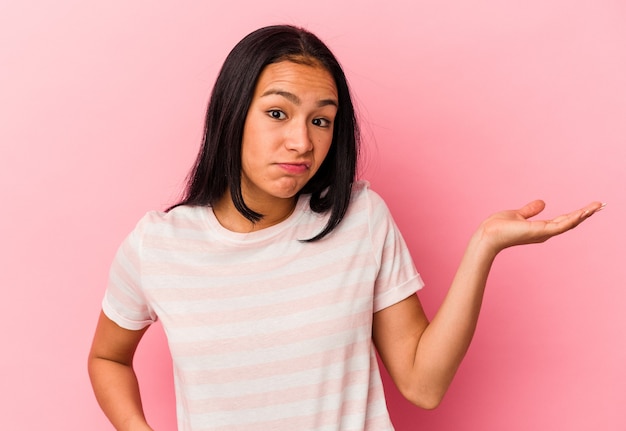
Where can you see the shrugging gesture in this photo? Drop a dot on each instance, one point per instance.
(422, 357)
(237, 290)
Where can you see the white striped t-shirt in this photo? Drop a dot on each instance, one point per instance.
(267, 332)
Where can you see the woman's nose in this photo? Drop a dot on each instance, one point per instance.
(298, 138)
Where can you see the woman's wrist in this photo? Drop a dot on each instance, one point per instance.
(482, 245)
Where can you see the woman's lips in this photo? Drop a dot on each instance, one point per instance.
(294, 168)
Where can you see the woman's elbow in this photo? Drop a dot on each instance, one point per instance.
(423, 398)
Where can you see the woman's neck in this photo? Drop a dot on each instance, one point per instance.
(273, 213)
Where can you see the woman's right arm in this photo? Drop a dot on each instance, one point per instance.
(112, 376)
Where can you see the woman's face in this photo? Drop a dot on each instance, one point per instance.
(288, 130)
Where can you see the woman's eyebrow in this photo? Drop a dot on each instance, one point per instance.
(296, 100)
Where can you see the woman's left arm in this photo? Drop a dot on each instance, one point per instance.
(421, 356)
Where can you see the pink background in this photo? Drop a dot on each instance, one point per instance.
(467, 107)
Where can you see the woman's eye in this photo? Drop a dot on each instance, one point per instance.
(321, 122)
(276, 114)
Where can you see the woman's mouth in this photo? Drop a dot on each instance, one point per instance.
(295, 168)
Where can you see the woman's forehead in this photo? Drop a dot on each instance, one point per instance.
(285, 75)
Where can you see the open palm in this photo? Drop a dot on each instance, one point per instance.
(513, 227)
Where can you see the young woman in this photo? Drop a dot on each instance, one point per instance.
(279, 274)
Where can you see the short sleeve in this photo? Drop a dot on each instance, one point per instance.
(397, 277)
(124, 301)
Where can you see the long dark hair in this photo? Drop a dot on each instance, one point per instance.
(218, 166)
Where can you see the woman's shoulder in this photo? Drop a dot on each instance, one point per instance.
(180, 217)
(366, 203)
(363, 192)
